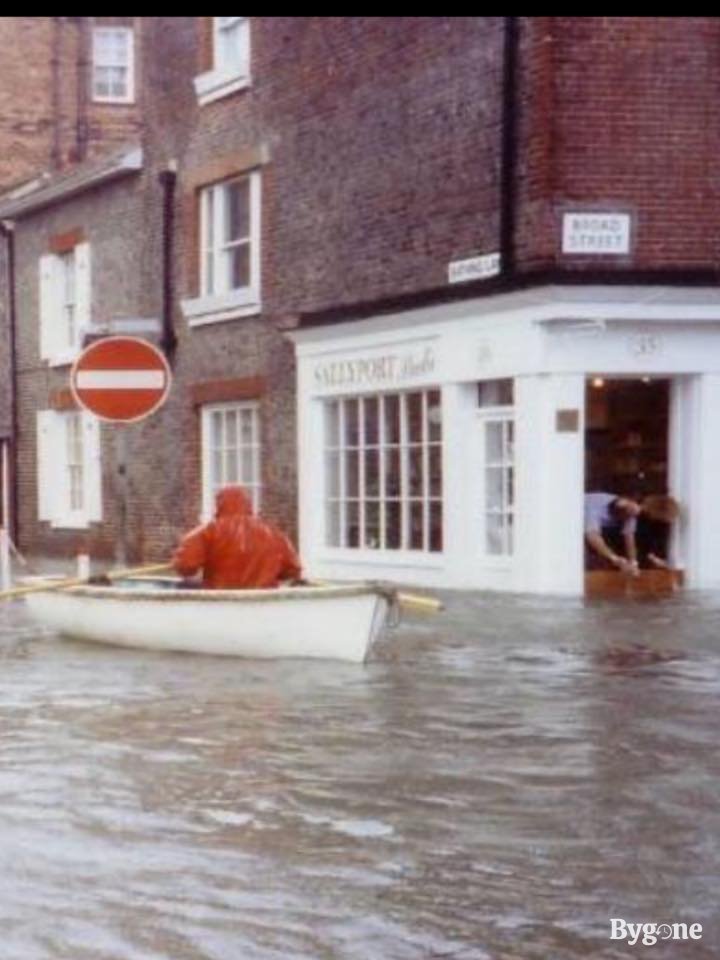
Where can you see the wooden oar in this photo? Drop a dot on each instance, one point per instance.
(417, 604)
(47, 585)
(412, 602)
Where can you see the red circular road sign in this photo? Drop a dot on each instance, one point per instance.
(120, 379)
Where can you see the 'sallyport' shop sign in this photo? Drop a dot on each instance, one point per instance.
(376, 371)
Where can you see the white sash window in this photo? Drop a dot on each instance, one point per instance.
(230, 70)
(69, 468)
(113, 65)
(383, 472)
(65, 304)
(230, 451)
(497, 424)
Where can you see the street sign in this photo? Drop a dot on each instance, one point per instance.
(120, 379)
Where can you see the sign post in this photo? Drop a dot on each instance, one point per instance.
(121, 380)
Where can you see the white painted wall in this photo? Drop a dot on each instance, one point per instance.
(702, 516)
(550, 485)
(549, 340)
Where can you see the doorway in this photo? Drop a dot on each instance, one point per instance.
(627, 454)
(626, 440)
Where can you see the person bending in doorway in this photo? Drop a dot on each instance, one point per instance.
(611, 529)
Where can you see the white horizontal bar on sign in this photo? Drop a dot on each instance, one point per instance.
(120, 380)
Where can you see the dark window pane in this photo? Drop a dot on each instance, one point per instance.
(415, 471)
(416, 525)
(372, 433)
(372, 473)
(239, 266)
(434, 415)
(351, 423)
(495, 393)
(436, 531)
(435, 455)
(392, 471)
(352, 473)
(352, 524)
(392, 524)
(372, 525)
(238, 211)
(392, 419)
(414, 417)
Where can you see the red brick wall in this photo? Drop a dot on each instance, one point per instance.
(45, 95)
(631, 125)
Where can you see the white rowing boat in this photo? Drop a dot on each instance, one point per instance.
(331, 621)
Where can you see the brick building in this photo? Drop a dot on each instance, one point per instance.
(462, 224)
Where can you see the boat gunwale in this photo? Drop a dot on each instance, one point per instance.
(266, 595)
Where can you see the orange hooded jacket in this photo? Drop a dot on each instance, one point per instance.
(236, 549)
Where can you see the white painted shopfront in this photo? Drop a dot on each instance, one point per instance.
(446, 446)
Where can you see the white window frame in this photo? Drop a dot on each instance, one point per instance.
(337, 457)
(69, 468)
(217, 301)
(505, 418)
(128, 66)
(248, 410)
(226, 76)
(59, 341)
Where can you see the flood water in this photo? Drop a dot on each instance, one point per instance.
(492, 784)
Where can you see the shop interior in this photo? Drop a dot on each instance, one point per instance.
(626, 445)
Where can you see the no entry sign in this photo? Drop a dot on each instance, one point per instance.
(120, 379)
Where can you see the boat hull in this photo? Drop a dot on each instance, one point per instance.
(335, 622)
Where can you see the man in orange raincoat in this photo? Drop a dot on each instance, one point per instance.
(237, 549)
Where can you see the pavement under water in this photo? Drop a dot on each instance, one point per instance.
(496, 782)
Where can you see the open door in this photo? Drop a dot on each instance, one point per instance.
(627, 454)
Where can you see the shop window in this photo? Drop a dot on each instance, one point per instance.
(383, 472)
(499, 481)
(69, 468)
(230, 451)
(113, 65)
(495, 393)
(497, 425)
(64, 303)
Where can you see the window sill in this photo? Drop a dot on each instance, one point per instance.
(391, 558)
(203, 310)
(214, 85)
(70, 523)
(114, 101)
(65, 359)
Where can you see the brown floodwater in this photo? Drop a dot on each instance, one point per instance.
(498, 782)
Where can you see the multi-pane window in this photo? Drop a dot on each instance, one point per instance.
(230, 69)
(495, 400)
(229, 228)
(231, 451)
(65, 307)
(383, 472)
(69, 468)
(231, 41)
(112, 76)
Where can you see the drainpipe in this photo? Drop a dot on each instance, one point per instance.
(168, 180)
(7, 229)
(82, 89)
(56, 153)
(508, 148)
